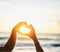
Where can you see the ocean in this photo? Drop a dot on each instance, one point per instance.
(49, 43)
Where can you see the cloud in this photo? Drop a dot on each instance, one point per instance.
(5, 4)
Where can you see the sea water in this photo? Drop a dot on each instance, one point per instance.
(49, 43)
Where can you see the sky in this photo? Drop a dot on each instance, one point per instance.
(44, 15)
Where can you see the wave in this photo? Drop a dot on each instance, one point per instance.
(2, 38)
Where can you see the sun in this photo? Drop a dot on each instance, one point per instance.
(24, 30)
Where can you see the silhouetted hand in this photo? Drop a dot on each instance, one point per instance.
(32, 33)
(16, 28)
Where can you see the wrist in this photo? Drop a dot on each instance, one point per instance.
(13, 30)
(35, 40)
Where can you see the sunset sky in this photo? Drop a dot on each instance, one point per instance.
(43, 14)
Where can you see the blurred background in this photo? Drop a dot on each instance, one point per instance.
(44, 15)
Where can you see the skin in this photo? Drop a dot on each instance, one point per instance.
(8, 47)
(32, 35)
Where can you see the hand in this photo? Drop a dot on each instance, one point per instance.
(16, 28)
(32, 33)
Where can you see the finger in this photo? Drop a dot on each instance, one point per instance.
(31, 26)
(21, 23)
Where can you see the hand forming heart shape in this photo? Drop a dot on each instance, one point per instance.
(24, 29)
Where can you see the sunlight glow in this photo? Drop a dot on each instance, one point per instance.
(43, 15)
(24, 30)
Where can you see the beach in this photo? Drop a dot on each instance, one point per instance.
(49, 43)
